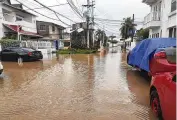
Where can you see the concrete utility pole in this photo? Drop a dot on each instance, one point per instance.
(88, 22)
(90, 14)
(103, 37)
(133, 19)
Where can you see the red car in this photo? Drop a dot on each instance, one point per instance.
(163, 95)
(163, 84)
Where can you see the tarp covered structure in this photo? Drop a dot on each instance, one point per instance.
(140, 55)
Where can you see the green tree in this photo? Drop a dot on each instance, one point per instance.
(100, 34)
(142, 33)
(127, 28)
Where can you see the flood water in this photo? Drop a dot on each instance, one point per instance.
(74, 87)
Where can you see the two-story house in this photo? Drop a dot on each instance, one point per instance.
(161, 21)
(51, 32)
(16, 21)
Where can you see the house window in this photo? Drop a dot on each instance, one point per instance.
(19, 18)
(173, 5)
(42, 27)
(157, 35)
(53, 28)
(172, 32)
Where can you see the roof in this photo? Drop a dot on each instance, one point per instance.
(15, 28)
(14, 6)
(18, 6)
(52, 23)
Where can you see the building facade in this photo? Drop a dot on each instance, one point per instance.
(15, 20)
(51, 32)
(161, 21)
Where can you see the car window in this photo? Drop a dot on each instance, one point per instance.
(171, 55)
(28, 49)
(17, 50)
(6, 50)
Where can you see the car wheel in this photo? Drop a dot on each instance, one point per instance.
(155, 105)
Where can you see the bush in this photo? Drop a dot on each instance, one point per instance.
(76, 51)
(9, 43)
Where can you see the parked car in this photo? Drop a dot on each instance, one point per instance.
(16, 53)
(1, 68)
(163, 95)
(152, 55)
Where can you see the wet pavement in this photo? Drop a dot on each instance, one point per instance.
(74, 87)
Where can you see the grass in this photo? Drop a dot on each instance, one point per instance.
(76, 51)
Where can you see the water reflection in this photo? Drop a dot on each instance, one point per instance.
(74, 87)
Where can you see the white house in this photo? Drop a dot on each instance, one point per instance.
(15, 20)
(21, 24)
(161, 21)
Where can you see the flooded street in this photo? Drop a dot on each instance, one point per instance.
(74, 87)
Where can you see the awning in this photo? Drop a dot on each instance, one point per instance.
(15, 28)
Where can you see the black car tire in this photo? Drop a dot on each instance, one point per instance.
(154, 96)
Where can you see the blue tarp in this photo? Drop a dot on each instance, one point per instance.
(141, 54)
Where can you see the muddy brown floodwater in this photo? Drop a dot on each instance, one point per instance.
(74, 87)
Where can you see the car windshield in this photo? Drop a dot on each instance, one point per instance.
(171, 55)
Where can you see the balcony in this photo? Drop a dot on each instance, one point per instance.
(152, 20)
(26, 26)
(149, 2)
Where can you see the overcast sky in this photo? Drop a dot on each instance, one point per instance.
(107, 9)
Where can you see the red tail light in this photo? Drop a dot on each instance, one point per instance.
(160, 55)
(30, 54)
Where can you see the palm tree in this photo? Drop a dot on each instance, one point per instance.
(99, 34)
(127, 28)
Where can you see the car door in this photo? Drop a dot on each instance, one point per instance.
(170, 98)
(5, 54)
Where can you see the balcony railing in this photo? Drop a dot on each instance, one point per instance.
(153, 16)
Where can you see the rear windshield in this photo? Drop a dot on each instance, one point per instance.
(171, 55)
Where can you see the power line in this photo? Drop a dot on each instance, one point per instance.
(115, 32)
(75, 9)
(54, 11)
(40, 13)
(103, 19)
(50, 6)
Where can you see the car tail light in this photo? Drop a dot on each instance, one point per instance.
(30, 54)
(160, 55)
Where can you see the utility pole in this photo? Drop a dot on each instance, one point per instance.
(133, 20)
(93, 23)
(90, 14)
(88, 23)
(103, 37)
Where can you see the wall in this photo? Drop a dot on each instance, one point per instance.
(28, 24)
(1, 19)
(168, 19)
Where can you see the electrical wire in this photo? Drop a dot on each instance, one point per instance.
(40, 13)
(53, 11)
(49, 6)
(75, 9)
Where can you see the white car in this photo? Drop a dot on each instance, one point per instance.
(1, 68)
